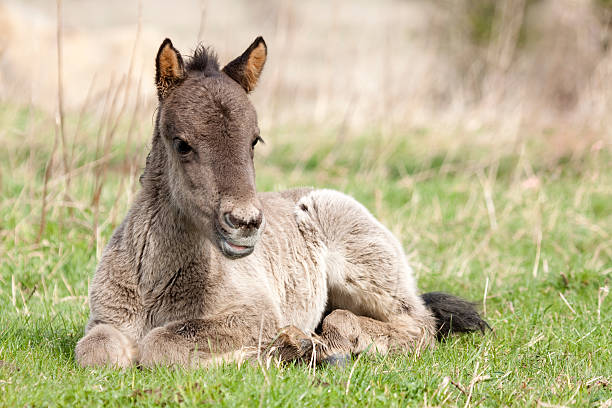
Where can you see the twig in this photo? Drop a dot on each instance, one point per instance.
(484, 297)
(471, 386)
(348, 382)
(14, 292)
(475, 380)
(203, 10)
(459, 387)
(488, 196)
(536, 264)
(567, 303)
(259, 340)
(601, 295)
(113, 123)
(43, 210)
(77, 131)
(60, 83)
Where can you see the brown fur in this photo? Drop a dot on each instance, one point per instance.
(169, 68)
(246, 68)
(205, 268)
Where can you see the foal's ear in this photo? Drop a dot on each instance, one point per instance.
(246, 68)
(169, 68)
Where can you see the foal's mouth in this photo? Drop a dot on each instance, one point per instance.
(234, 248)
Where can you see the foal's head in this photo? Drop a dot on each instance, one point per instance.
(209, 129)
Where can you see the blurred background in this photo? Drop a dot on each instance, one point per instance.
(490, 68)
(389, 101)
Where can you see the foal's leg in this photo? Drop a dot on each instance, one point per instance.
(106, 345)
(197, 342)
(367, 275)
(345, 333)
(229, 337)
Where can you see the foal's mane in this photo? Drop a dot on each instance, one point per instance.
(204, 59)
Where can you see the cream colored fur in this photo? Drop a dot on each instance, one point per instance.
(321, 250)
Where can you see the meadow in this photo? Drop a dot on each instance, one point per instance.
(523, 228)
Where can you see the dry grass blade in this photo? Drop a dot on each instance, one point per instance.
(60, 84)
(601, 296)
(43, 209)
(567, 303)
(348, 381)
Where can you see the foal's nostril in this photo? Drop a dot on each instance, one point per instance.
(235, 222)
(231, 221)
(257, 221)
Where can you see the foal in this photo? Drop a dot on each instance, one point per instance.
(205, 267)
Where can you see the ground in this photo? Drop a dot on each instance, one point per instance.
(521, 230)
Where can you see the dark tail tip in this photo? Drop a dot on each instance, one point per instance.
(453, 314)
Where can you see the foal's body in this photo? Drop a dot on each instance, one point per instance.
(296, 272)
(182, 281)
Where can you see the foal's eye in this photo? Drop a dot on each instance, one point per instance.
(181, 146)
(257, 139)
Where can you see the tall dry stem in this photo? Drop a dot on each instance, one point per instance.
(43, 208)
(60, 85)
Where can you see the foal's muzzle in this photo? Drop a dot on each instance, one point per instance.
(237, 235)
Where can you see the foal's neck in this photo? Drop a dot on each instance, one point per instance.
(174, 232)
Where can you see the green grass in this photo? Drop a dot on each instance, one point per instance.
(543, 240)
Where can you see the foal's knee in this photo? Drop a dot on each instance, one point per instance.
(104, 345)
(339, 330)
(345, 331)
(343, 322)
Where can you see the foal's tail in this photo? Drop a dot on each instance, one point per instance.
(453, 314)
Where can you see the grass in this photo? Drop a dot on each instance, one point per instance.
(524, 232)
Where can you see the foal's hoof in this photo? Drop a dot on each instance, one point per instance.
(293, 344)
(338, 360)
